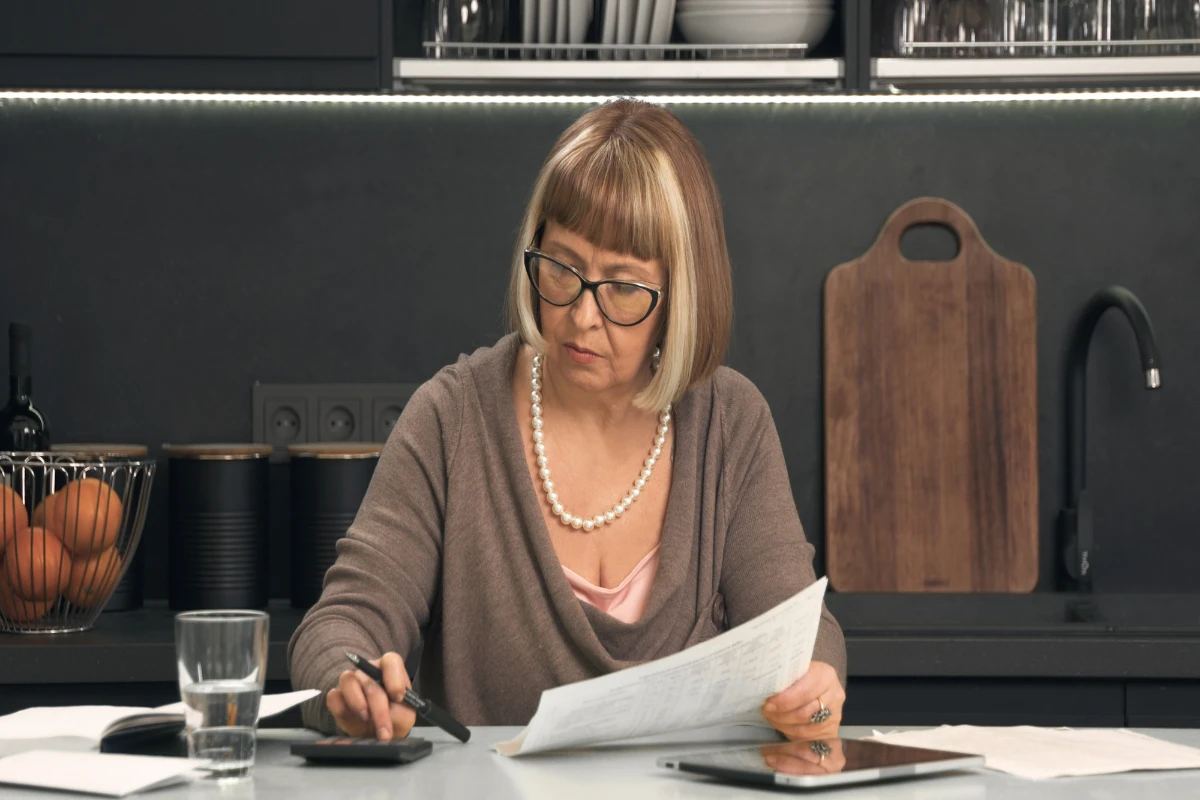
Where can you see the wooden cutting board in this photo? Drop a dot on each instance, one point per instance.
(931, 416)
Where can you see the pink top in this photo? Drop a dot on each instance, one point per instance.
(625, 601)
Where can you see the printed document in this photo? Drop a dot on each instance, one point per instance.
(725, 679)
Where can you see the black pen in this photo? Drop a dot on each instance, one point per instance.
(425, 709)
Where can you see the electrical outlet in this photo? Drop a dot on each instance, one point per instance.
(386, 408)
(279, 418)
(294, 413)
(339, 419)
(286, 420)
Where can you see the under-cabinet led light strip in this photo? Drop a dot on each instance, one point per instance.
(588, 99)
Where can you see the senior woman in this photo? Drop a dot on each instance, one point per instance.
(591, 492)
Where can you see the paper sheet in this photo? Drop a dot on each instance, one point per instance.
(724, 679)
(90, 722)
(95, 773)
(1038, 753)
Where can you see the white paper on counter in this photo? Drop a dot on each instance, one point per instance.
(1039, 753)
(724, 679)
(109, 774)
(91, 722)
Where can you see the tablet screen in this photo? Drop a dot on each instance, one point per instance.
(828, 761)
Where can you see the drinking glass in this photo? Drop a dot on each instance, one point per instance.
(222, 662)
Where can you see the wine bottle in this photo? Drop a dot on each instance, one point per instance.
(22, 427)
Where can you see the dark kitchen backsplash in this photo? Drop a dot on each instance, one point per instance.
(169, 255)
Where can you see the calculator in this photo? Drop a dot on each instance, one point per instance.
(353, 750)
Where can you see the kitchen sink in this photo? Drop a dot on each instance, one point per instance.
(1039, 613)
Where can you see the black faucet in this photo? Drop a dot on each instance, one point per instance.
(1076, 518)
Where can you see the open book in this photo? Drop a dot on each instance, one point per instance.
(109, 727)
(724, 680)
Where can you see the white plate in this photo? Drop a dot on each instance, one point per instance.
(626, 14)
(660, 25)
(546, 9)
(641, 25)
(580, 16)
(560, 25)
(608, 32)
(528, 24)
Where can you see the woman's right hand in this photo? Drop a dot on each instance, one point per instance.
(362, 708)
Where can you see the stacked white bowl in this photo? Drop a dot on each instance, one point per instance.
(733, 22)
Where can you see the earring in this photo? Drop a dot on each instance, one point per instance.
(655, 359)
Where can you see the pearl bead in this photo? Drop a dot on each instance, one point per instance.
(557, 509)
(537, 409)
(598, 520)
(646, 473)
(650, 462)
(544, 473)
(665, 417)
(535, 397)
(634, 492)
(576, 523)
(609, 516)
(537, 423)
(587, 525)
(548, 485)
(537, 373)
(640, 483)
(538, 436)
(662, 430)
(660, 440)
(536, 384)
(542, 461)
(618, 509)
(540, 449)
(552, 497)
(565, 517)
(656, 452)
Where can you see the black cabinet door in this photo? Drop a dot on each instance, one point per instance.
(189, 44)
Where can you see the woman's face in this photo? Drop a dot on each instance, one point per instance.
(585, 348)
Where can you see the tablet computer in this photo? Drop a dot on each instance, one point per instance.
(822, 763)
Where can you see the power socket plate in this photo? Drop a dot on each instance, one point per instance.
(296, 413)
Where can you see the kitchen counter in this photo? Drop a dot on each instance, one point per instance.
(457, 770)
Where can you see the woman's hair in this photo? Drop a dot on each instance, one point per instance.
(630, 178)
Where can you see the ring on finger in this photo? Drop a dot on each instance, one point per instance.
(821, 749)
(821, 715)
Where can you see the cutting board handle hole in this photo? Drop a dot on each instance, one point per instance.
(929, 241)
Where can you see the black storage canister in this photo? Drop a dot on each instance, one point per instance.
(130, 590)
(218, 497)
(328, 481)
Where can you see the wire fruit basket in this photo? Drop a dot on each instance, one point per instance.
(69, 526)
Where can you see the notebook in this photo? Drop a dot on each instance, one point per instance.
(111, 728)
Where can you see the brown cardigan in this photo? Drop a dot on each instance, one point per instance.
(450, 549)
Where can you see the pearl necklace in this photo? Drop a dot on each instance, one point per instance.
(539, 447)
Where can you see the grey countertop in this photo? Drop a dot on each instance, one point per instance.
(979, 636)
(627, 771)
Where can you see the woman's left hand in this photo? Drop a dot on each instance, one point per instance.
(791, 712)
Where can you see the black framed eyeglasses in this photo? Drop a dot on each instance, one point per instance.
(624, 303)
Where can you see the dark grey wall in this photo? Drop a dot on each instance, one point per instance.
(168, 255)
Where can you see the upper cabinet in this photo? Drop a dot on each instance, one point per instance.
(299, 45)
(599, 46)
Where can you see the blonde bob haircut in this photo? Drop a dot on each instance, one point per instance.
(630, 178)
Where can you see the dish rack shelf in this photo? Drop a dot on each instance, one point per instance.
(687, 65)
(1163, 62)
